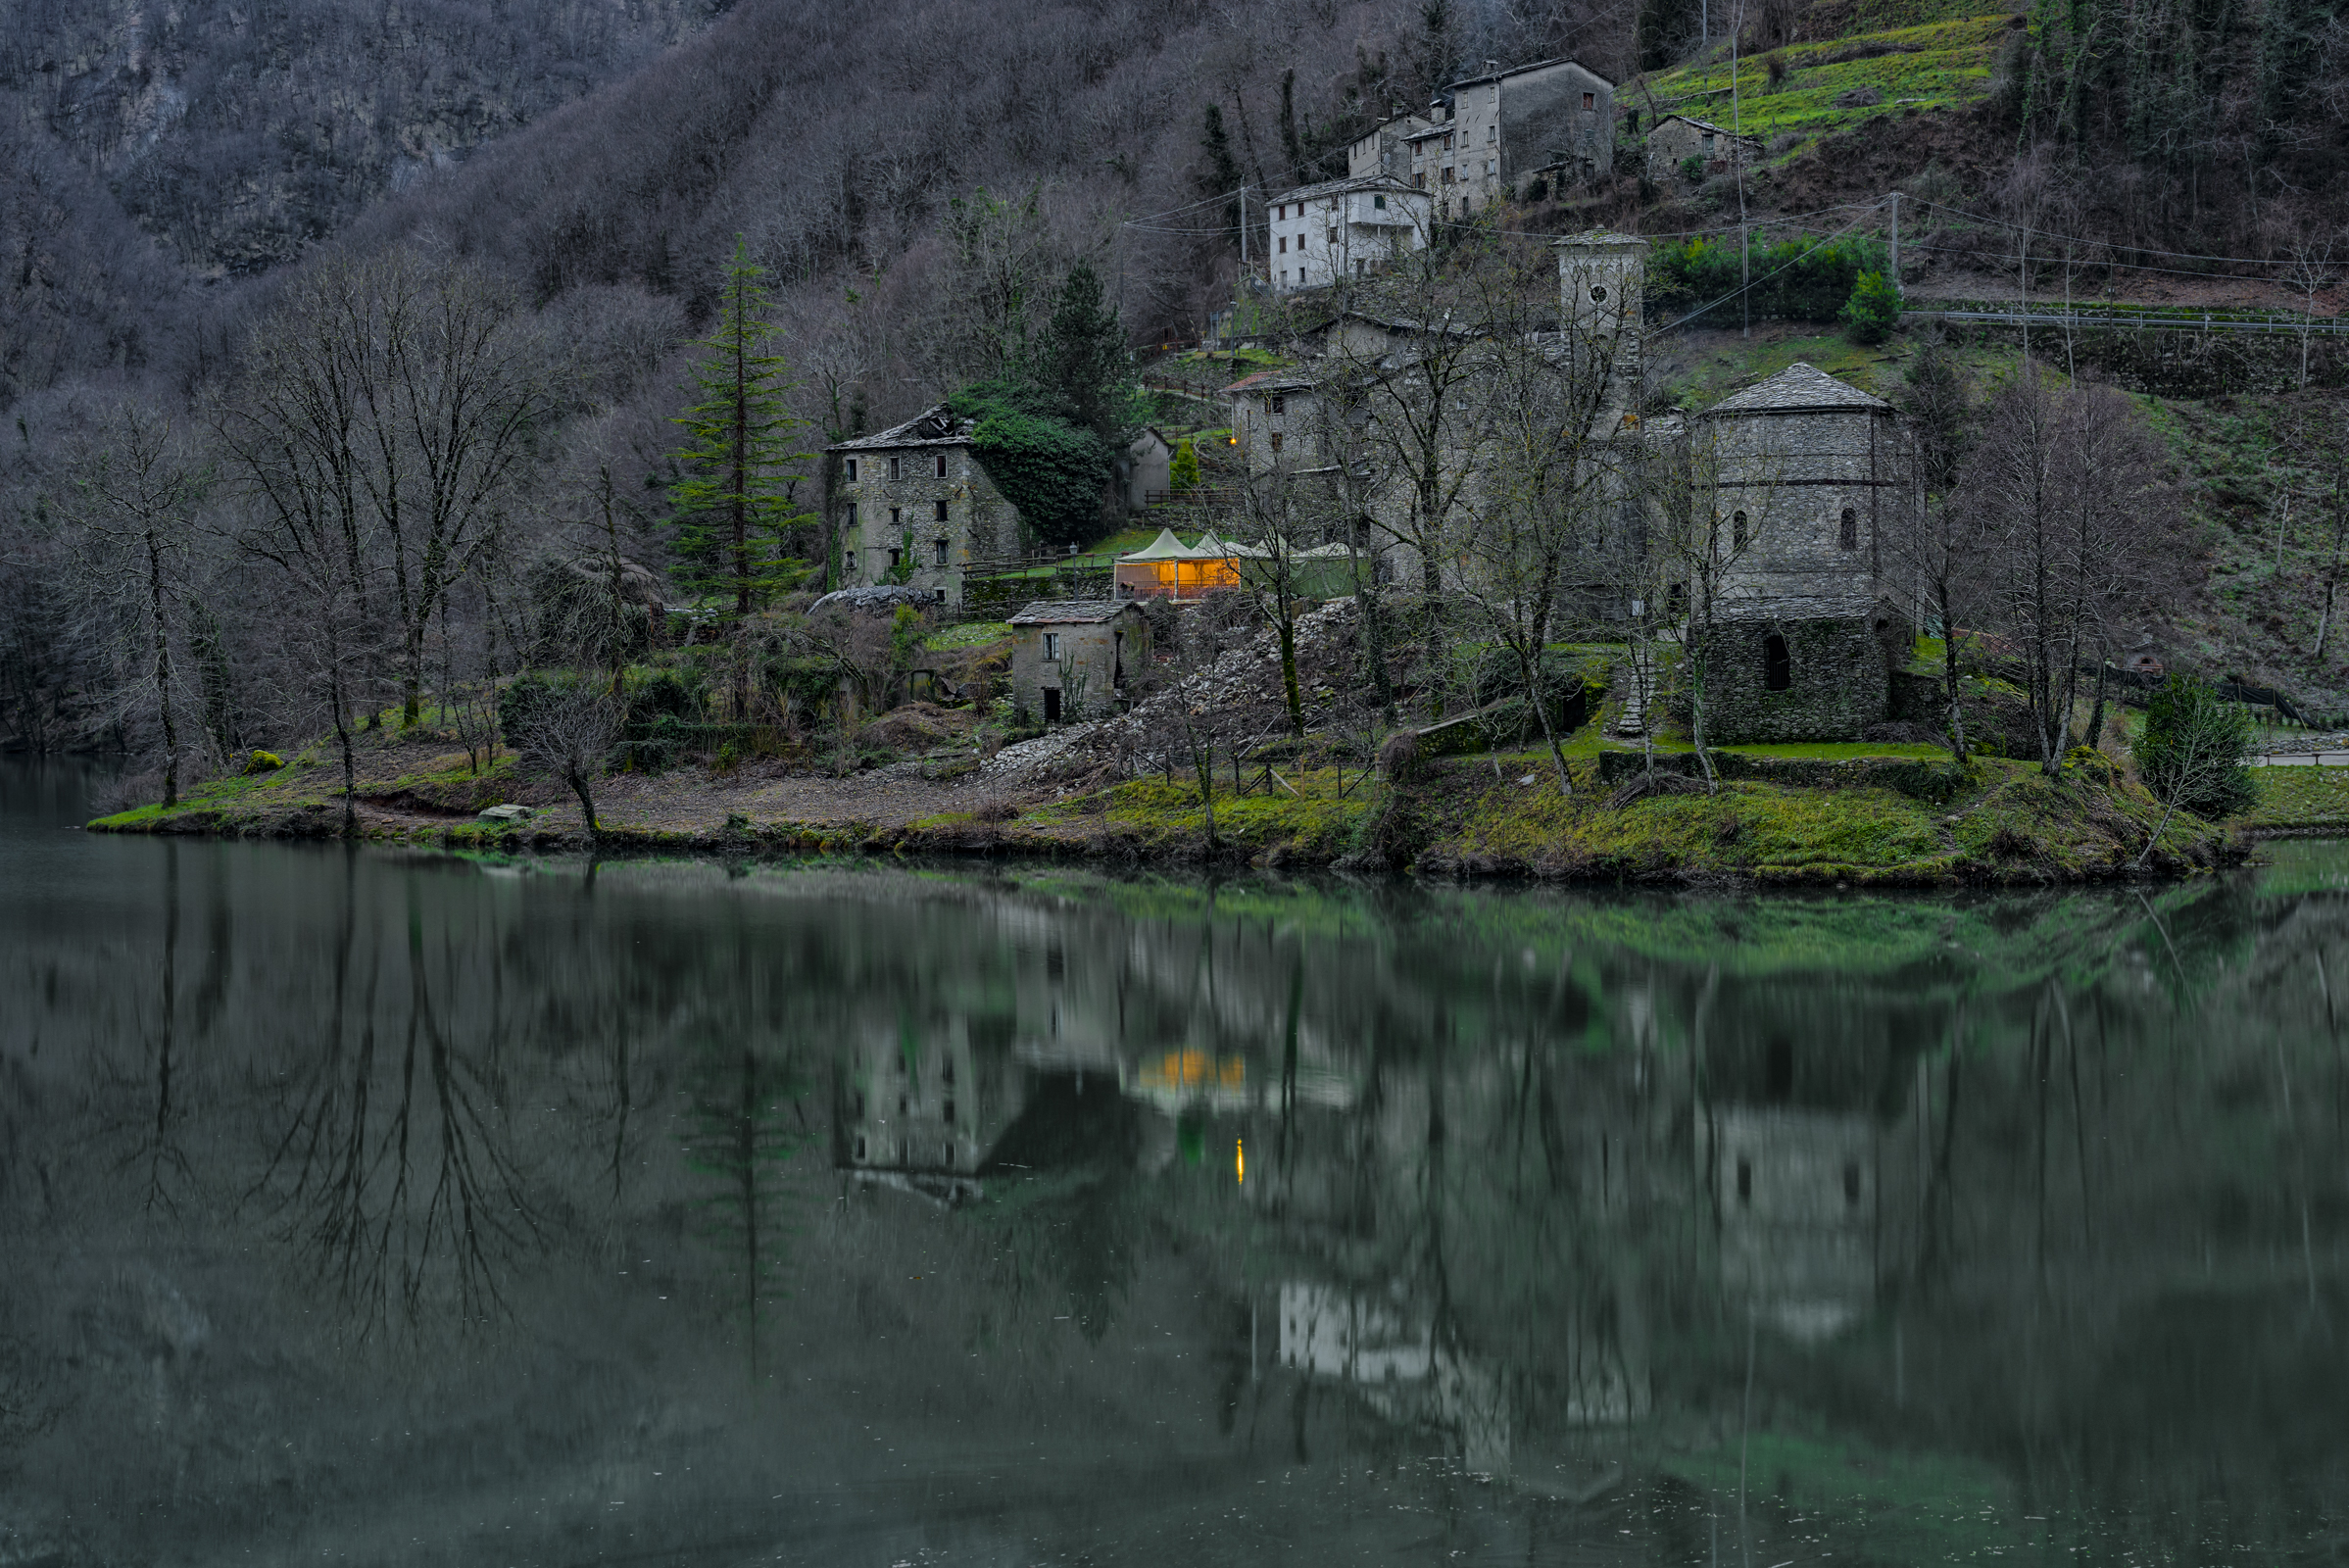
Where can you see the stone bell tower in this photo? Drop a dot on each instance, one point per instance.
(1599, 299)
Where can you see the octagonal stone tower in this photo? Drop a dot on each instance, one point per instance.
(1802, 473)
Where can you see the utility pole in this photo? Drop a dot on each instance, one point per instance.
(1244, 229)
(1896, 240)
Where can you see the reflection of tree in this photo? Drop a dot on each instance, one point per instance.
(748, 1117)
(394, 1174)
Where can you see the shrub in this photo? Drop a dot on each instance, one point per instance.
(1693, 168)
(1183, 472)
(1873, 309)
(1796, 279)
(2192, 750)
(1775, 62)
(1053, 470)
(262, 762)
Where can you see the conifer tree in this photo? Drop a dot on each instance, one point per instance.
(735, 504)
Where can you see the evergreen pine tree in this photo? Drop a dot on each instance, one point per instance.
(735, 501)
(1082, 360)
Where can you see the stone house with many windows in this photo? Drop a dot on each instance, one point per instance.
(1484, 138)
(1343, 228)
(920, 509)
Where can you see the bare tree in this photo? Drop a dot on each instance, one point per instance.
(133, 496)
(1935, 541)
(570, 730)
(2079, 531)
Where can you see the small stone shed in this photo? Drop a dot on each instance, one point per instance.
(1677, 138)
(1071, 658)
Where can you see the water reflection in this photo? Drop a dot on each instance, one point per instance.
(403, 1210)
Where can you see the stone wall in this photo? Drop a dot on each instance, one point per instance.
(1837, 686)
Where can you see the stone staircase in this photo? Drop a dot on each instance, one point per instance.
(1638, 677)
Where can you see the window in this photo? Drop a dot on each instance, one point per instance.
(1777, 668)
(940, 469)
(941, 510)
(938, 551)
(1708, 143)
(950, 1114)
(1491, 166)
(1744, 1180)
(1283, 245)
(897, 518)
(1493, 132)
(895, 558)
(1590, 102)
(1379, 202)
(1333, 236)
(1279, 403)
(1598, 294)
(897, 468)
(851, 516)
(1052, 644)
(1847, 531)
(1276, 440)
(1737, 531)
(851, 470)
(1448, 174)
(860, 1148)
(1448, 141)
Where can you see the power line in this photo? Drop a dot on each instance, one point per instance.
(2140, 250)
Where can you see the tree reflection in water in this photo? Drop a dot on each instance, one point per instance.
(1922, 1227)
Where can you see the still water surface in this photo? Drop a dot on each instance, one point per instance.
(365, 1208)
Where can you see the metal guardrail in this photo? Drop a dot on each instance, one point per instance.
(2321, 326)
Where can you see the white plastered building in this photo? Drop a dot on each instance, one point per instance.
(1343, 228)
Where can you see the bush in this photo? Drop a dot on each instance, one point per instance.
(1183, 472)
(262, 762)
(1873, 309)
(1796, 279)
(1053, 470)
(2192, 750)
(1693, 168)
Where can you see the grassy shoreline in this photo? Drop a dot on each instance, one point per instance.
(1499, 815)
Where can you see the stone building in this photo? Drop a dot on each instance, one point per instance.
(1677, 138)
(1273, 419)
(1802, 473)
(1487, 136)
(920, 509)
(1071, 658)
(1343, 228)
(1385, 150)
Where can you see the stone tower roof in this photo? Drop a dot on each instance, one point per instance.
(1800, 389)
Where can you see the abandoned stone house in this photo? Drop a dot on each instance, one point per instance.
(1484, 138)
(1677, 138)
(1273, 419)
(917, 507)
(1070, 658)
(1802, 473)
(1340, 228)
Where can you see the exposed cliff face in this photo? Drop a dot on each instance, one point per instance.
(238, 132)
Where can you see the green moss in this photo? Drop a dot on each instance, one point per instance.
(1937, 65)
(2298, 798)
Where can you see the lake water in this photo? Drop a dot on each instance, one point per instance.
(363, 1206)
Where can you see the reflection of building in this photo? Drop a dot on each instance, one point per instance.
(1398, 1367)
(921, 1099)
(1816, 1188)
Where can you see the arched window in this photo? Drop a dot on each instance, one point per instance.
(1737, 531)
(1778, 670)
(1847, 534)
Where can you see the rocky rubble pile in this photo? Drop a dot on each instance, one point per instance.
(1246, 679)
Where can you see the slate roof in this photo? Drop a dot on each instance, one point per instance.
(1519, 71)
(1800, 389)
(934, 427)
(1071, 612)
(1703, 124)
(1273, 381)
(1338, 187)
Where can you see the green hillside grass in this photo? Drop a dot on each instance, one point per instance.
(1937, 65)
